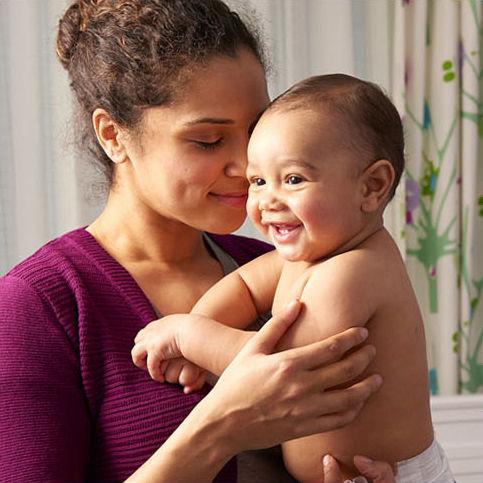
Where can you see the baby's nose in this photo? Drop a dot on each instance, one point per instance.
(270, 202)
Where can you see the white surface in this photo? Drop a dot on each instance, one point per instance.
(458, 423)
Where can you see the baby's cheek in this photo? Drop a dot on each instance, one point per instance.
(254, 213)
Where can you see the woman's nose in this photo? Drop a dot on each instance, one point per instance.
(237, 165)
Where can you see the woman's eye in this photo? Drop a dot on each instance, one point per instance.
(293, 179)
(209, 146)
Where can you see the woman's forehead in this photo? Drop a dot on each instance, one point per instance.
(224, 82)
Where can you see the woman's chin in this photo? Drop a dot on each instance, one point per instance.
(225, 227)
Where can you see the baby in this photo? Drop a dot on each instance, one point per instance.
(324, 160)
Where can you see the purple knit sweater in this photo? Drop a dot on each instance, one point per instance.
(73, 407)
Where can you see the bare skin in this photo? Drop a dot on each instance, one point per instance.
(335, 256)
(182, 175)
(376, 471)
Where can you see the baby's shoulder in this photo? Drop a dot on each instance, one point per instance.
(366, 267)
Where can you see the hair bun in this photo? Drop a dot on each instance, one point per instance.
(71, 25)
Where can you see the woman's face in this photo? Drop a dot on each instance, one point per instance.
(188, 164)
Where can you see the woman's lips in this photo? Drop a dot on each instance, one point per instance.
(235, 200)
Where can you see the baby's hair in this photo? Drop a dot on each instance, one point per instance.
(370, 121)
(126, 55)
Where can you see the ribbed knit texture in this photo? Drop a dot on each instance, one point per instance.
(73, 407)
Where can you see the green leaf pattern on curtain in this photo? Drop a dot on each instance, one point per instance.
(442, 92)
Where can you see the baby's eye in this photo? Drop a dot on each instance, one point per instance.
(294, 179)
(257, 181)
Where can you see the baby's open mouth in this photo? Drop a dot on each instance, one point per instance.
(284, 232)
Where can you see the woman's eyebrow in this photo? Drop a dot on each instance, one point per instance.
(209, 120)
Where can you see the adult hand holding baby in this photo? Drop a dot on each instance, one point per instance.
(377, 471)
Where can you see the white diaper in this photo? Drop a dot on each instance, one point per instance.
(430, 466)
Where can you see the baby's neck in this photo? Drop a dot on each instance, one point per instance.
(373, 226)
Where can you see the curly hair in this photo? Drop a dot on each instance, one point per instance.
(126, 55)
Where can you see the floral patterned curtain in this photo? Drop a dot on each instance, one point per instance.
(438, 88)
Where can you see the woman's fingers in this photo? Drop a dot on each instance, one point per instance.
(332, 472)
(334, 409)
(329, 350)
(345, 370)
(268, 336)
(342, 400)
(377, 471)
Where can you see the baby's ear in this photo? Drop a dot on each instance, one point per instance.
(377, 180)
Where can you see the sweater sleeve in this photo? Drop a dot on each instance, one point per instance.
(44, 420)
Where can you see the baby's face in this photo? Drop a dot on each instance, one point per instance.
(305, 189)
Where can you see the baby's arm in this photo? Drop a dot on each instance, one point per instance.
(337, 296)
(242, 296)
(209, 336)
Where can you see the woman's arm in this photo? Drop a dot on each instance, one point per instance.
(44, 421)
(248, 410)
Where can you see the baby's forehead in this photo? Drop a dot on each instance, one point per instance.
(302, 137)
(315, 126)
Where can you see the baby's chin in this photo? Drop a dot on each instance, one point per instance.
(294, 255)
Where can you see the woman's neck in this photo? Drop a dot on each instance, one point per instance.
(132, 232)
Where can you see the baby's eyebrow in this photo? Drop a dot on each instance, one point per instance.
(299, 163)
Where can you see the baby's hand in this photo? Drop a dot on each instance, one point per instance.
(181, 371)
(157, 350)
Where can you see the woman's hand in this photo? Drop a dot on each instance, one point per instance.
(265, 398)
(376, 471)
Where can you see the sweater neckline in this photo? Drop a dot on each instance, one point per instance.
(118, 275)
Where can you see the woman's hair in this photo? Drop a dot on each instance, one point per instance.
(369, 121)
(126, 55)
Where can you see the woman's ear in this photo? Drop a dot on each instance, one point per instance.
(109, 136)
(377, 180)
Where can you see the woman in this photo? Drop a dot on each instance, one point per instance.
(167, 92)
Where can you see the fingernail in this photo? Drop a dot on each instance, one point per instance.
(293, 303)
(327, 460)
(365, 460)
(378, 380)
(363, 333)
